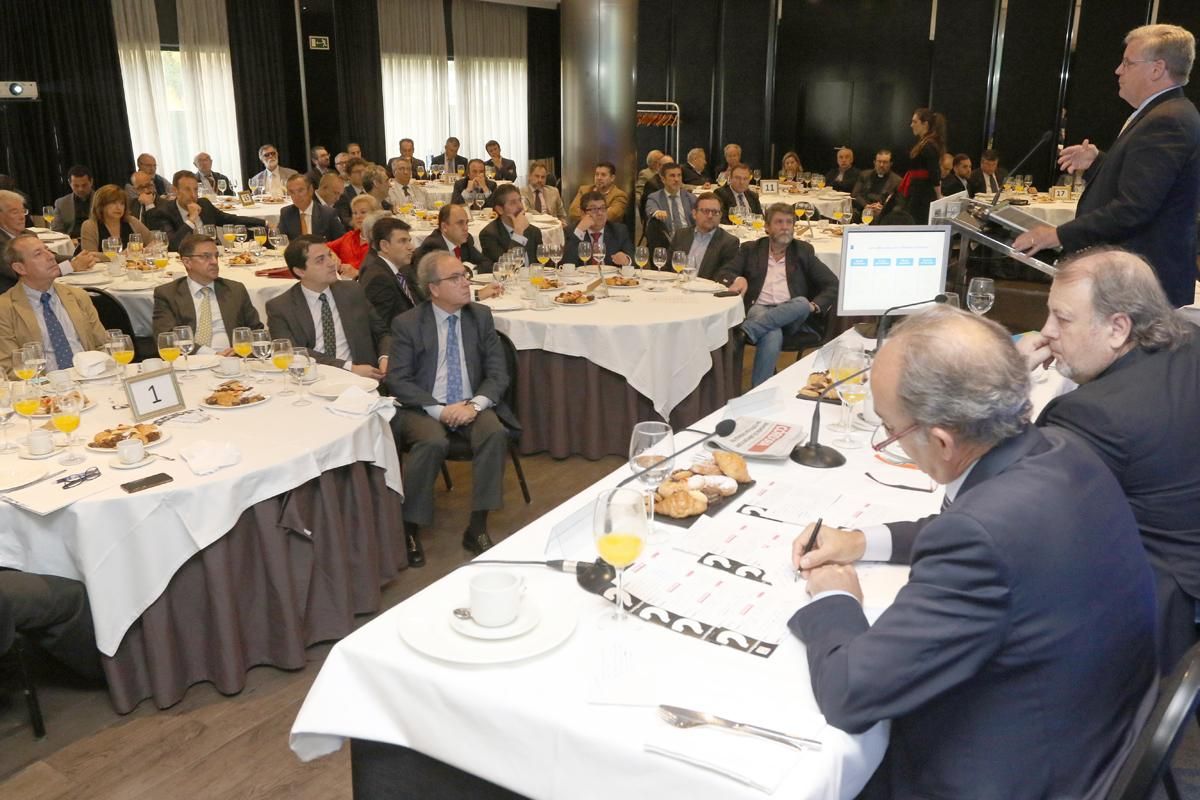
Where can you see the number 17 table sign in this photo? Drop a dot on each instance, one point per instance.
(153, 394)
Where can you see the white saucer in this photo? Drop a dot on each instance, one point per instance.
(115, 463)
(524, 623)
(540, 308)
(23, 452)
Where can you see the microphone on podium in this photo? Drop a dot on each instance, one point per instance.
(878, 330)
(814, 454)
(724, 428)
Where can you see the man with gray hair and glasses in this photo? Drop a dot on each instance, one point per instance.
(1144, 193)
(1025, 633)
(1112, 330)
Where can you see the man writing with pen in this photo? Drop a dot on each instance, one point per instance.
(1018, 661)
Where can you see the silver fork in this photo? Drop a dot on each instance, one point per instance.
(687, 718)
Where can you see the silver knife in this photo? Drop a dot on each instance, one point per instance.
(39, 480)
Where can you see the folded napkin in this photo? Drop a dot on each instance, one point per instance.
(90, 363)
(205, 457)
(752, 760)
(354, 402)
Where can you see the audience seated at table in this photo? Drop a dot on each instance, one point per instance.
(329, 192)
(668, 210)
(453, 389)
(356, 173)
(945, 165)
(736, 196)
(210, 181)
(710, 249)
(211, 305)
(449, 157)
(989, 177)
(695, 169)
(273, 178)
(376, 183)
(403, 189)
(506, 168)
(541, 198)
(653, 184)
(339, 163)
(959, 179)
(387, 275)
(1018, 659)
(141, 196)
(40, 309)
(354, 150)
(653, 162)
(12, 224)
(109, 219)
(53, 613)
(511, 227)
(304, 216)
(318, 165)
(352, 246)
(790, 168)
(329, 316)
(844, 176)
(1112, 330)
(188, 212)
(733, 157)
(453, 233)
(148, 165)
(475, 188)
(595, 226)
(73, 208)
(406, 151)
(604, 178)
(876, 185)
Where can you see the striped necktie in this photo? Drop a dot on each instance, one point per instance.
(63, 357)
(454, 380)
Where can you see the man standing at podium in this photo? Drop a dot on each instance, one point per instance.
(1143, 194)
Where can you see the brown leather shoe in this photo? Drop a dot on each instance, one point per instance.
(476, 542)
(416, 554)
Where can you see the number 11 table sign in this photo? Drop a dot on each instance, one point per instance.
(153, 394)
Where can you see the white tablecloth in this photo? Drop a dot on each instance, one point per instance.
(660, 342)
(264, 211)
(826, 201)
(1055, 213)
(125, 548)
(58, 243)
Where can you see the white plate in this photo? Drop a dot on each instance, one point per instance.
(166, 436)
(574, 305)
(332, 388)
(504, 305)
(483, 278)
(235, 408)
(524, 623)
(87, 279)
(23, 452)
(115, 463)
(263, 366)
(76, 375)
(430, 635)
(195, 363)
(703, 285)
(20, 474)
(133, 286)
(622, 288)
(655, 275)
(90, 405)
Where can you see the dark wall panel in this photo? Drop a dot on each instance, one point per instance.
(545, 106)
(321, 82)
(694, 47)
(1027, 101)
(1094, 111)
(360, 82)
(1187, 14)
(654, 70)
(743, 59)
(961, 57)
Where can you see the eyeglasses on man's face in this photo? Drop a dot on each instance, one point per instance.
(457, 277)
(892, 438)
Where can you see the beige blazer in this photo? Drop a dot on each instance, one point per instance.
(89, 235)
(19, 324)
(551, 201)
(616, 198)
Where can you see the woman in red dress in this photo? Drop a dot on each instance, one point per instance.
(352, 246)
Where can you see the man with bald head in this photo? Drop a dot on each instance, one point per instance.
(695, 169)
(211, 181)
(1025, 633)
(1112, 330)
(653, 162)
(845, 174)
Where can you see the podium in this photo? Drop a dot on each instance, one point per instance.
(994, 228)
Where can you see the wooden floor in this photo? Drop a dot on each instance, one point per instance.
(213, 746)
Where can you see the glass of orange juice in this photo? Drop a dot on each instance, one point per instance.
(619, 525)
(65, 417)
(281, 358)
(168, 348)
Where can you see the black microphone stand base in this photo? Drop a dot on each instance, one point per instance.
(819, 456)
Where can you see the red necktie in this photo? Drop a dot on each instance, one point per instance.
(458, 251)
(596, 238)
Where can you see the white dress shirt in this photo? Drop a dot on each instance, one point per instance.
(440, 318)
(341, 348)
(220, 338)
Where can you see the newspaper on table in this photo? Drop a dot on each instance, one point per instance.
(762, 438)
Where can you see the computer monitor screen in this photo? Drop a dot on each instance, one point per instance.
(891, 265)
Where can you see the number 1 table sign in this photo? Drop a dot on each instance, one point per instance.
(153, 394)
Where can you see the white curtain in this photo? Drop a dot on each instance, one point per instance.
(179, 103)
(491, 86)
(412, 54)
(207, 73)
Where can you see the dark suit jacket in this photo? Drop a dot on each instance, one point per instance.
(653, 184)
(1144, 194)
(693, 178)
(1014, 661)
(288, 317)
(440, 158)
(470, 254)
(975, 182)
(216, 176)
(325, 222)
(806, 275)
(412, 364)
(342, 206)
(507, 171)
(728, 201)
(1139, 415)
(870, 188)
(64, 215)
(168, 219)
(173, 305)
(844, 185)
(952, 184)
(721, 253)
(460, 186)
(383, 288)
(615, 237)
(495, 241)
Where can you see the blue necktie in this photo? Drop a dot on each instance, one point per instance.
(63, 357)
(454, 378)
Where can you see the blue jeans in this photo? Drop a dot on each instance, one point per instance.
(765, 327)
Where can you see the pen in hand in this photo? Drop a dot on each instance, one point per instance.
(812, 542)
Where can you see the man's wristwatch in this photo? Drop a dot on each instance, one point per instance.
(475, 404)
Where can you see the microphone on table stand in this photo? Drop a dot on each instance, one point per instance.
(724, 428)
(594, 576)
(814, 454)
(878, 330)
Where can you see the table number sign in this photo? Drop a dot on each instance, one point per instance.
(770, 186)
(1060, 192)
(153, 394)
(246, 197)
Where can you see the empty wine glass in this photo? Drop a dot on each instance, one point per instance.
(185, 341)
(981, 294)
(651, 457)
(6, 411)
(260, 346)
(619, 526)
(598, 253)
(301, 369)
(660, 258)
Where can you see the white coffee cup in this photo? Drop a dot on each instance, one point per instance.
(627, 271)
(40, 443)
(153, 365)
(115, 269)
(542, 300)
(568, 269)
(495, 598)
(131, 451)
(229, 365)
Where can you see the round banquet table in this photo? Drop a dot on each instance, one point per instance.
(1054, 212)
(587, 374)
(58, 243)
(264, 211)
(827, 201)
(206, 576)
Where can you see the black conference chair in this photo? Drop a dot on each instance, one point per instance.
(13, 657)
(1150, 760)
(113, 315)
(798, 343)
(460, 448)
